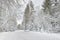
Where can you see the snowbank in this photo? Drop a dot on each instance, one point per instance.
(22, 35)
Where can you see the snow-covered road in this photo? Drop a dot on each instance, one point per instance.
(21, 35)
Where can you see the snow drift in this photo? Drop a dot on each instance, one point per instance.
(22, 35)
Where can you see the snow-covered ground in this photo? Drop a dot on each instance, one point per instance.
(22, 35)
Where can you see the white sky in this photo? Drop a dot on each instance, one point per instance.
(38, 3)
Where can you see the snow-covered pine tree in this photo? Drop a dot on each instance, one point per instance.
(7, 15)
(54, 19)
(47, 6)
(27, 15)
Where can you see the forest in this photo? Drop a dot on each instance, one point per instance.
(30, 15)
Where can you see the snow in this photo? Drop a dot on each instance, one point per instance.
(23, 35)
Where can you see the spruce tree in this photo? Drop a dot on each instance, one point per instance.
(47, 6)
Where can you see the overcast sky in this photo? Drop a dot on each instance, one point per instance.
(38, 3)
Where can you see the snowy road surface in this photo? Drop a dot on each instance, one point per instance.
(21, 35)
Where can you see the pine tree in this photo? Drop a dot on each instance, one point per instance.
(47, 6)
(27, 15)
